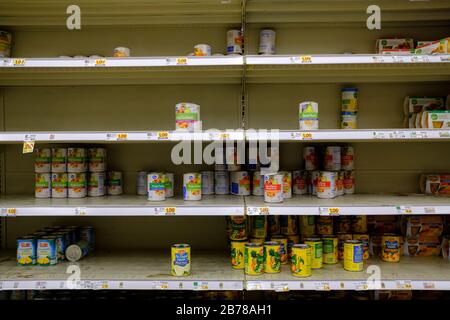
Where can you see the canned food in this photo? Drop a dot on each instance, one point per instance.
(240, 183)
(192, 186)
(316, 252)
(359, 224)
(301, 260)
(342, 237)
(349, 99)
(234, 42)
(87, 233)
(97, 159)
(314, 181)
(258, 226)
(59, 185)
(5, 44)
(273, 188)
(181, 260)
(289, 224)
(309, 115)
(207, 182)
(344, 224)
(59, 160)
(43, 159)
(267, 41)
(238, 227)
(390, 248)
(307, 225)
(26, 251)
(340, 183)
(349, 182)
(76, 160)
(156, 190)
(258, 184)
(61, 245)
(237, 254)
(272, 257)
(46, 251)
(299, 182)
(122, 52)
(310, 158)
(347, 158)
(254, 259)
(257, 240)
(326, 185)
(115, 183)
(353, 255)
(96, 184)
(77, 251)
(202, 50)
(187, 116)
(72, 234)
(273, 223)
(349, 120)
(221, 182)
(287, 184)
(42, 185)
(365, 239)
(169, 181)
(324, 225)
(292, 239)
(282, 240)
(332, 158)
(141, 183)
(77, 185)
(330, 249)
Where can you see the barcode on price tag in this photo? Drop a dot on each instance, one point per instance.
(403, 284)
(362, 285)
(100, 285)
(41, 285)
(322, 286)
(81, 211)
(201, 285)
(162, 285)
(284, 287)
(329, 211)
(254, 286)
(404, 210)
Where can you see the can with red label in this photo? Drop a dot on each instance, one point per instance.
(349, 182)
(332, 158)
(326, 185)
(310, 158)
(347, 156)
(299, 179)
(273, 191)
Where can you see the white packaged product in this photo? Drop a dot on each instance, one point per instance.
(326, 185)
(349, 182)
(141, 183)
(192, 186)
(207, 182)
(309, 115)
(310, 158)
(97, 159)
(59, 185)
(240, 183)
(201, 50)
(76, 160)
(169, 181)
(187, 116)
(221, 182)
(234, 42)
(156, 189)
(314, 180)
(349, 100)
(258, 184)
(299, 179)
(267, 41)
(77, 184)
(273, 187)
(122, 52)
(42, 185)
(96, 184)
(332, 158)
(287, 184)
(347, 158)
(114, 183)
(59, 160)
(349, 120)
(43, 160)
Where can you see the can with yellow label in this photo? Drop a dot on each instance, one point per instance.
(353, 255)
(282, 240)
(181, 260)
(254, 259)
(237, 254)
(272, 257)
(365, 239)
(292, 239)
(324, 225)
(330, 249)
(316, 252)
(342, 237)
(301, 260)
(390, 248)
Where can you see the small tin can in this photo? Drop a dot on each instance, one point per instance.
(301, 260)
(316, 252)
(187, 116)
(330, 249)
(347, 158)
(77, 251)
(254, 259)
(258, 184)
(292, 239)
(326, 184)
(272, 257)
(324, 225)
(96, 184)
(237, 254)
(77, 185)
(365, 239)
(282, 240)
(47, 251)
(121, 52)
(202, 50)
(72, 234)
(192, 186)
(59, 185)
(349, 99)
(273, 223)
(390, 248)
(76, 160)
(234, 42)
(314, 181)
(181, 260)
(141, 183)
(273, 188)
(114, 183)
(287, 184)
(43, 160)
(87, 233)
(349, 182)
(59, 160)
(344, 224)
(308, 115)
(299, 186)
(342, 237)
(238, 228)
(307, 225)
(240, 183)
(221, 182)
(97, 159)
(353, 255)
(267, 41)
(156, 190)
(42, 185)
(26, 251)
(61, 244)
(332, 158)
(340, 183)
(207, 182)
(289, 224)
(310, 158)
(359, 224)
(169, 182)
(258, 226)
(349, 120)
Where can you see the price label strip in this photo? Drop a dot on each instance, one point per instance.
(81, 211)
(19, 62)
(302, 59)
(322, 286)
(254, 286)
(117, 136)
(96, 62)
(41, 285)
(329, 211)
(166, 211)
(257, 211)
(281, 287)
(201, 286)
(162, 285)
(403, 284)
(361, 286)
(9, 212)
(180, 61)
(404, 210)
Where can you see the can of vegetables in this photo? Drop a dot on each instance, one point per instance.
(254, 259)
(272, 257)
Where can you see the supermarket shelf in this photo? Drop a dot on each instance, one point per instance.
(356, 204)
(412, 273)
(124, 205)
(346, 68)
(371, 135)
(109, 71)
(52, 13)
(125, 270)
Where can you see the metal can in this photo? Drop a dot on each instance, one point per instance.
(287, 184)
(26, 251)
(257, 240)
(141, 183)
(342, 237)
(299, 182)
(43, 159)
(349, 99)
(115, 183)
(282, 240)
(308, 115)
(121, 52)
(59, 160)
(5, 44)
(273, 188)
(237, 254)
(316, 252)
(77, 251)
(87, 233)
(238, 228)
(272, 257)
(349, 120)
(307, 225)
(330, 249)
(42, 185)
(240, 183)
(390, 248)
(292, 239)
(349, 182)
(347, 158)
(310, 158)
(258, 226)
(340, 183)
(353, 255)
(59, 185)
(202, 50)
(187, 116)
(96, 184)
(301, 260)
(273, 223)
(314, 181)
(181, 260)
(359, 224)
(234, 42)
(221, 182)
(156, 190)
(324, 225)
(365, 239)
(254, 259)
(76, 160)
(169, 182)
(326, 185)
(192, 186)
(77, 185)
(344, 224)
(267, 41)
(97, 159)
(289, 224)
(207, 182)
(72, 235)
(61, 245)
(46, 251)
(332, 158)
(258, 184)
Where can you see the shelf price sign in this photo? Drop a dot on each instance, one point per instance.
(361, 286)
(329, 211)
(167, 211)
(282, 287)
(117, 136)
(19, 62)
(404, 210)
(302, 59)
(41, 285)
(257, 211)
(403, 284)
(162, 285)
(81, 211)
(9, 212)
(322, 286)
(28, 143)
(100, 285)
(201, 285)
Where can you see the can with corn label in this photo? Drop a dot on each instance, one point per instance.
(342, 237)
(77, 185)
(238, 227)
(156, 189)
(272, 257)
(96, 184)
(59, 160)
(59, 185)
(237, 254)
(365, 239)
(181, 260)
(316, 252)
(330, 249)
(282, 240)
(43, 160)
(353, 255)
(26, 251)
(390, 248)
(292, 239)
(301, 260)
(254, 259)
(192, 186)
(76, 160)
(47, 251)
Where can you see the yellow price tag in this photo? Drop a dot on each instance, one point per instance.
(182, 61)
(305, 59)
(170, 210)
(163, 135)
(264, 210)
(28, 147)
(307, 135)
(225, 136)
(100, 62)
(122, 136)
(10, 212)
(333, 211)
(18, 62)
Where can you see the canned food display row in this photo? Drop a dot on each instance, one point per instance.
(329, 158)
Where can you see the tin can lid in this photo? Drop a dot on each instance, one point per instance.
(181, 245)
(353, 241)
(253, 245)
(301, 246)
(271, 243)
(349, 89)
(313, 239)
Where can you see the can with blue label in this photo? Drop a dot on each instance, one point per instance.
(181, 260)
(353, 255)
(76, 251)
(87, 234)
(26, 251)
(61, 244)
(47, 254)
